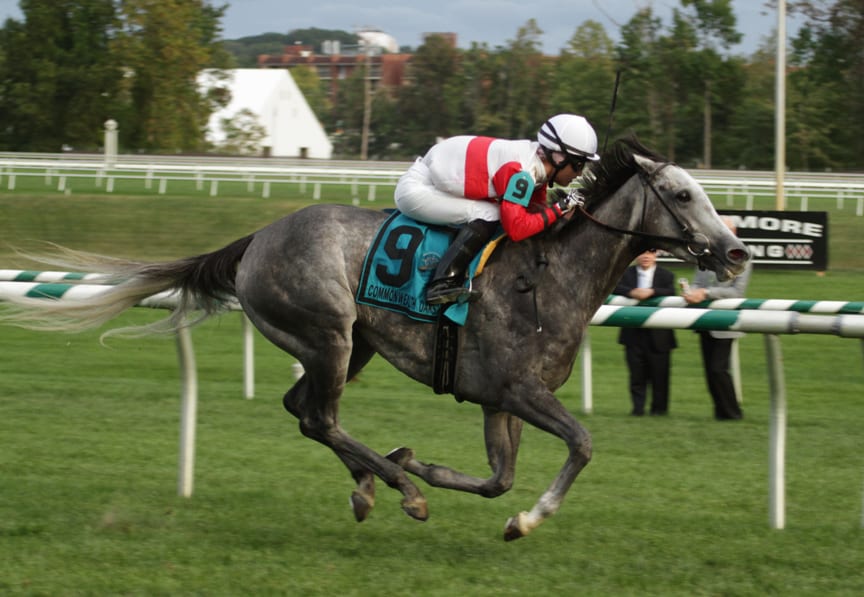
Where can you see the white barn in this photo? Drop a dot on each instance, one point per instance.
(292, 129)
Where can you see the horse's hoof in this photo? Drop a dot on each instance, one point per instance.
(400, 456)
(416, 508)
(361, 505)
(513, 529)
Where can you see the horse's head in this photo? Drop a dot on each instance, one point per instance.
(678, 217)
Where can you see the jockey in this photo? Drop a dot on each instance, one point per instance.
(479, 181)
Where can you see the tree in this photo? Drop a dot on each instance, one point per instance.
(429, 108)
(643, 79)
(715, 23)
(243, 134)
(826, 86)
(164, 45)
(58, 80)
(525, 83)
(313, 90)
(749, 141)
(585, 76)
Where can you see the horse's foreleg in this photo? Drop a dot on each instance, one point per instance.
(502, 435)
(547, 413)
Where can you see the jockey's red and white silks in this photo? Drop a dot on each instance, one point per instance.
(436, 187)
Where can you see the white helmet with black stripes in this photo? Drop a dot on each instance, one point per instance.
(570, 135)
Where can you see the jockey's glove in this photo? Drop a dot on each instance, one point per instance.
(570, 201)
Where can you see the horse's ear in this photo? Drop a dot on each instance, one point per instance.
(647, 165)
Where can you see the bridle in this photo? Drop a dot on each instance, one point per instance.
(697, 244)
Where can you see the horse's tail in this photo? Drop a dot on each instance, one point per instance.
(204, 283)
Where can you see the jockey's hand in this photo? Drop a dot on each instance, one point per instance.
(570, 201)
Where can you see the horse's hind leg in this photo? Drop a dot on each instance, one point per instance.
(314, 401)
(502, 435)
(363, 496)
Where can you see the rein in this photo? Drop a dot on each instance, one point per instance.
(696, 244)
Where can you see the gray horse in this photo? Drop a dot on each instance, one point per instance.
(296, 279)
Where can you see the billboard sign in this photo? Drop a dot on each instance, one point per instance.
(782, 239)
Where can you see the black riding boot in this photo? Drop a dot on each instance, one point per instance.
(447, 284)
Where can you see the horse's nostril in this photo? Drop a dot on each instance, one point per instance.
(738, 255)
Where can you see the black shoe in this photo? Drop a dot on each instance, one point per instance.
(447, 282)
(735, 417)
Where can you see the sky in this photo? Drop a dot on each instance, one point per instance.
(491, 21)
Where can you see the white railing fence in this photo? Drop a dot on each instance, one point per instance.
(79, 172)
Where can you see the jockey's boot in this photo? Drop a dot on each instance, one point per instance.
(447, 285)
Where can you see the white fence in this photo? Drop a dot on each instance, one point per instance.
(728, 188)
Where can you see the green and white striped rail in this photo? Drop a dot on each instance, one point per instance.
(690, 318)
(799, 306)
(23, 275)
(60, 290)
(734, 304)
(765, 322)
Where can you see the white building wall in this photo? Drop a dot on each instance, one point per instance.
(292, 129)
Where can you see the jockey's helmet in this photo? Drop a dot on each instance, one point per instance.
(570, 135)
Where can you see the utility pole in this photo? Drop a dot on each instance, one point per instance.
(780, 107)
(367, 104)
(706, 127)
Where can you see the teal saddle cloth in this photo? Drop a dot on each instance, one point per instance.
(399, 265)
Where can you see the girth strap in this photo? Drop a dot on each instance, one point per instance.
(525, 284)
(444, 355)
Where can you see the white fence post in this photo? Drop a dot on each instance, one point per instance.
(188, 411)
(735, 366)
(587, 380)
(248, 358)
(777, 450)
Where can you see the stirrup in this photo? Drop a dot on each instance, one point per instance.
(447, 291)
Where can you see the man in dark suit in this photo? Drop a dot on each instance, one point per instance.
(647, 350)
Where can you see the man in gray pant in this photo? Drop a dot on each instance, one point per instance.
(717, 346)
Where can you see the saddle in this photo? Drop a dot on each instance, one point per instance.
(399, 264)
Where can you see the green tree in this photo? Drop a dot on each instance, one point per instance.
(348, 111)
(643, 81)
(527, 82)
(826, 87)
(749, 141)
(244, 134)
(585, 76)
(714, 22)
(429, 108)
(164, 45)
(58, 80)
(314, 91)
(482, 103)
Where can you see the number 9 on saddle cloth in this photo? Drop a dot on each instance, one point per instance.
(400, 263)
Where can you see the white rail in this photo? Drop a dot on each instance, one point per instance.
(208, 172)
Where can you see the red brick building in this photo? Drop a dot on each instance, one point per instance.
(386, 69)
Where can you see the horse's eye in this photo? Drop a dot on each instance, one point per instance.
(682, 196)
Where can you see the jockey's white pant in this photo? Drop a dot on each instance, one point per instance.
(417, 197)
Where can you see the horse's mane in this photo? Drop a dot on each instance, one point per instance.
(615, 167)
